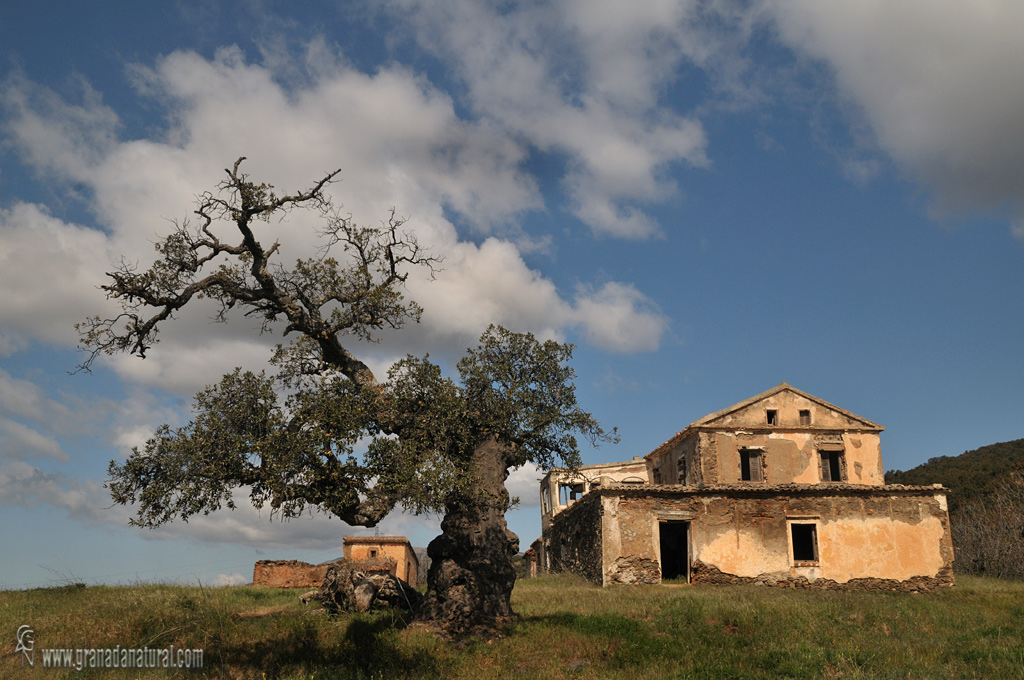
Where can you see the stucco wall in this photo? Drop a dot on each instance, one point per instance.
(379, 549)
(792, 457)
(862, 533)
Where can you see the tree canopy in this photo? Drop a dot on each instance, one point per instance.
(320, 431)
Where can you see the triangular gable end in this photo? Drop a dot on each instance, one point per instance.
(786, 400)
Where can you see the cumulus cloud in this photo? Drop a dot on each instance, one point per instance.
(24, 484)
(580, 80)
(396, 138)
(249, 526)
(939, 82)
(18, 440)
(524, 483)
(52, 270)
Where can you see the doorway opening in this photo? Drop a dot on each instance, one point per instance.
(675, 554)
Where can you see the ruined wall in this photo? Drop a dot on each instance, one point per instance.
(629, 551)
(707, 454)
(739, 532)
(586, 477)
(288, 574)
(792, 457)
(676, 464)
(573, 540)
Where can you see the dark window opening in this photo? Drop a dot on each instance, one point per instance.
(773, 416)
(805, 543)
(675, 560)
(568, 493)
(831, 466)
(373, 553)
(682, 470)
(805, 417)
(750, 466)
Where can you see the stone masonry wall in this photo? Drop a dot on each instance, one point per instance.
(575, 539)
(288, 574)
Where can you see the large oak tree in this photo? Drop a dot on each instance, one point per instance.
(321, 431)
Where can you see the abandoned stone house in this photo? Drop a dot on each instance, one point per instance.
(376, 554)
(781, 489)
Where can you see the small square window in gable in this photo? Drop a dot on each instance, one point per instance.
(805, 417)
(772, 416)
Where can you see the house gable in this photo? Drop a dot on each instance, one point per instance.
(785, 407)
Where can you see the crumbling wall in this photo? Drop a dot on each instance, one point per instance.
(707, 575)
(288, 574)
(793, 457)
(629, 552)
(574, 539)
(864, 537)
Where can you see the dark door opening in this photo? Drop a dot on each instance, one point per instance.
(675, 557)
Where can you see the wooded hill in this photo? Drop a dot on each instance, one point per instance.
(970, 475)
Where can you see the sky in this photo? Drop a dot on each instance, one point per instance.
(707, 198)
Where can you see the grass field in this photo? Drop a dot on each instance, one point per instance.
(567, 629)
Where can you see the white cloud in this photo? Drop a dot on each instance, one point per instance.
(52, 271)
(524, 483)
(24, 484)
(232, 579)
(620, 318)
(564, 78)
(398, 142)
(19, 441)
(940, 83)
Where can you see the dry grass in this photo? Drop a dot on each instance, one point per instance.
(567, 629)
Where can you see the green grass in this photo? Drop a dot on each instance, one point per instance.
(567, 629)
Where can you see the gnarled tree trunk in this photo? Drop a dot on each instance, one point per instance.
(469, 585)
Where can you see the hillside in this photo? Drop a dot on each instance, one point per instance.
(969, 475)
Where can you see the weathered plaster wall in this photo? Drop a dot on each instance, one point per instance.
(861, 533)
(628, 553)
(787, 406)
(676, 464)
(792, 457)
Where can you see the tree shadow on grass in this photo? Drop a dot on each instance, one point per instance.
(351, 646)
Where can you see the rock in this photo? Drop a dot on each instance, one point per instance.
(347, 588)
(364, 594)
(308, 596)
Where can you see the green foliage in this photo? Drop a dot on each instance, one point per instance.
(340, 441)
(972, 474)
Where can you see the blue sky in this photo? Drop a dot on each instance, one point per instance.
(707, 198)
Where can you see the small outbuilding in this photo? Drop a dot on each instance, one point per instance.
(395, 550)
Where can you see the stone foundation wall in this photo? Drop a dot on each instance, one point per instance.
(705, 575)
